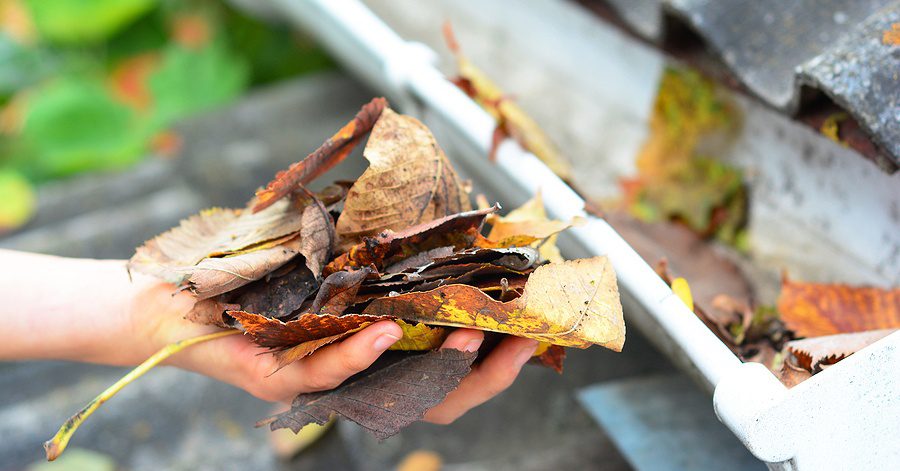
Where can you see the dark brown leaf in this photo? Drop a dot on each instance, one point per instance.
(277, 296)
(339, 290)
(386, 400)
(329, 154)
(551, 356)
(389, 247)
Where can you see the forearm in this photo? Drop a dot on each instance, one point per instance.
(72, 309)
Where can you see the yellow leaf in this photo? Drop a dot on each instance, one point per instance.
(530, 221)
(681, 289)
(418, 337)
(573, 303)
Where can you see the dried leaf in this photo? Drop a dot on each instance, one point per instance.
(574, 303)
(329, 154)
(549, 355)
(210, 312)
(389, 247)
(409, 181)
(814, 353)
(813, 309)
(277, 335)
(512, 120)
(214, 276)
(316, 236)
(214, 233)
(277, 296)
(419, 337)
(386, 400)
(530, 220)
(792, 375)
(338, 291)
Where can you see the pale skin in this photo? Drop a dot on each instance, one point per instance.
(89, 311)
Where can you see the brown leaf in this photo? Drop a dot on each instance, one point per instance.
(792, 375)
(214, 276)
(549, 355)
(813, 309)
(386, 400)
(277, 296)
(215, 233)
(316, 236)
(574, 303)
(338, 291)
(409, 181)
(274, 334)
(329, 154)
(814, 353)
(512, 120)
(210, 312)
(389, 247)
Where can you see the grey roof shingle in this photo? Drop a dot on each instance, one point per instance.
(777, 47)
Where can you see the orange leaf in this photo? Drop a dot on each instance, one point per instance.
(812, 309)
(329, 154)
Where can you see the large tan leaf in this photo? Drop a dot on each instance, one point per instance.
(574, 303)
(214, 276)
(213, 233)
(409, 181)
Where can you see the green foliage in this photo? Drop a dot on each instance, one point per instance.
(190, 80)
(84, 21)
(74, 124)
(21, 66)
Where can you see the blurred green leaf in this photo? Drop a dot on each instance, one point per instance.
(84, 21)
(190, 80)
(17, 200)
(74, 125)
(21, 66)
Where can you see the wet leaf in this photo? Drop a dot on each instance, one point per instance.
(574, 303)
(409, 182)
(512, 120)
(329, 154)
(813, 309)
(386, 400)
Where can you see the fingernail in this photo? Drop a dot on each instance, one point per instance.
(384, 341)
(525, 354)
(473, 345)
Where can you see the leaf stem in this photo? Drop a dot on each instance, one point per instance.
(56, 445)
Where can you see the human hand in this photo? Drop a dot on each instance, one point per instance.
(158, 317)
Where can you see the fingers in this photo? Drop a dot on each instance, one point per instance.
(330, 366)
(496, 373)
(466, 340)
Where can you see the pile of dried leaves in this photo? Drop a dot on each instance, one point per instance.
(297, 270)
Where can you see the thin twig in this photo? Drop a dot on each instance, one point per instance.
(56, 445)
